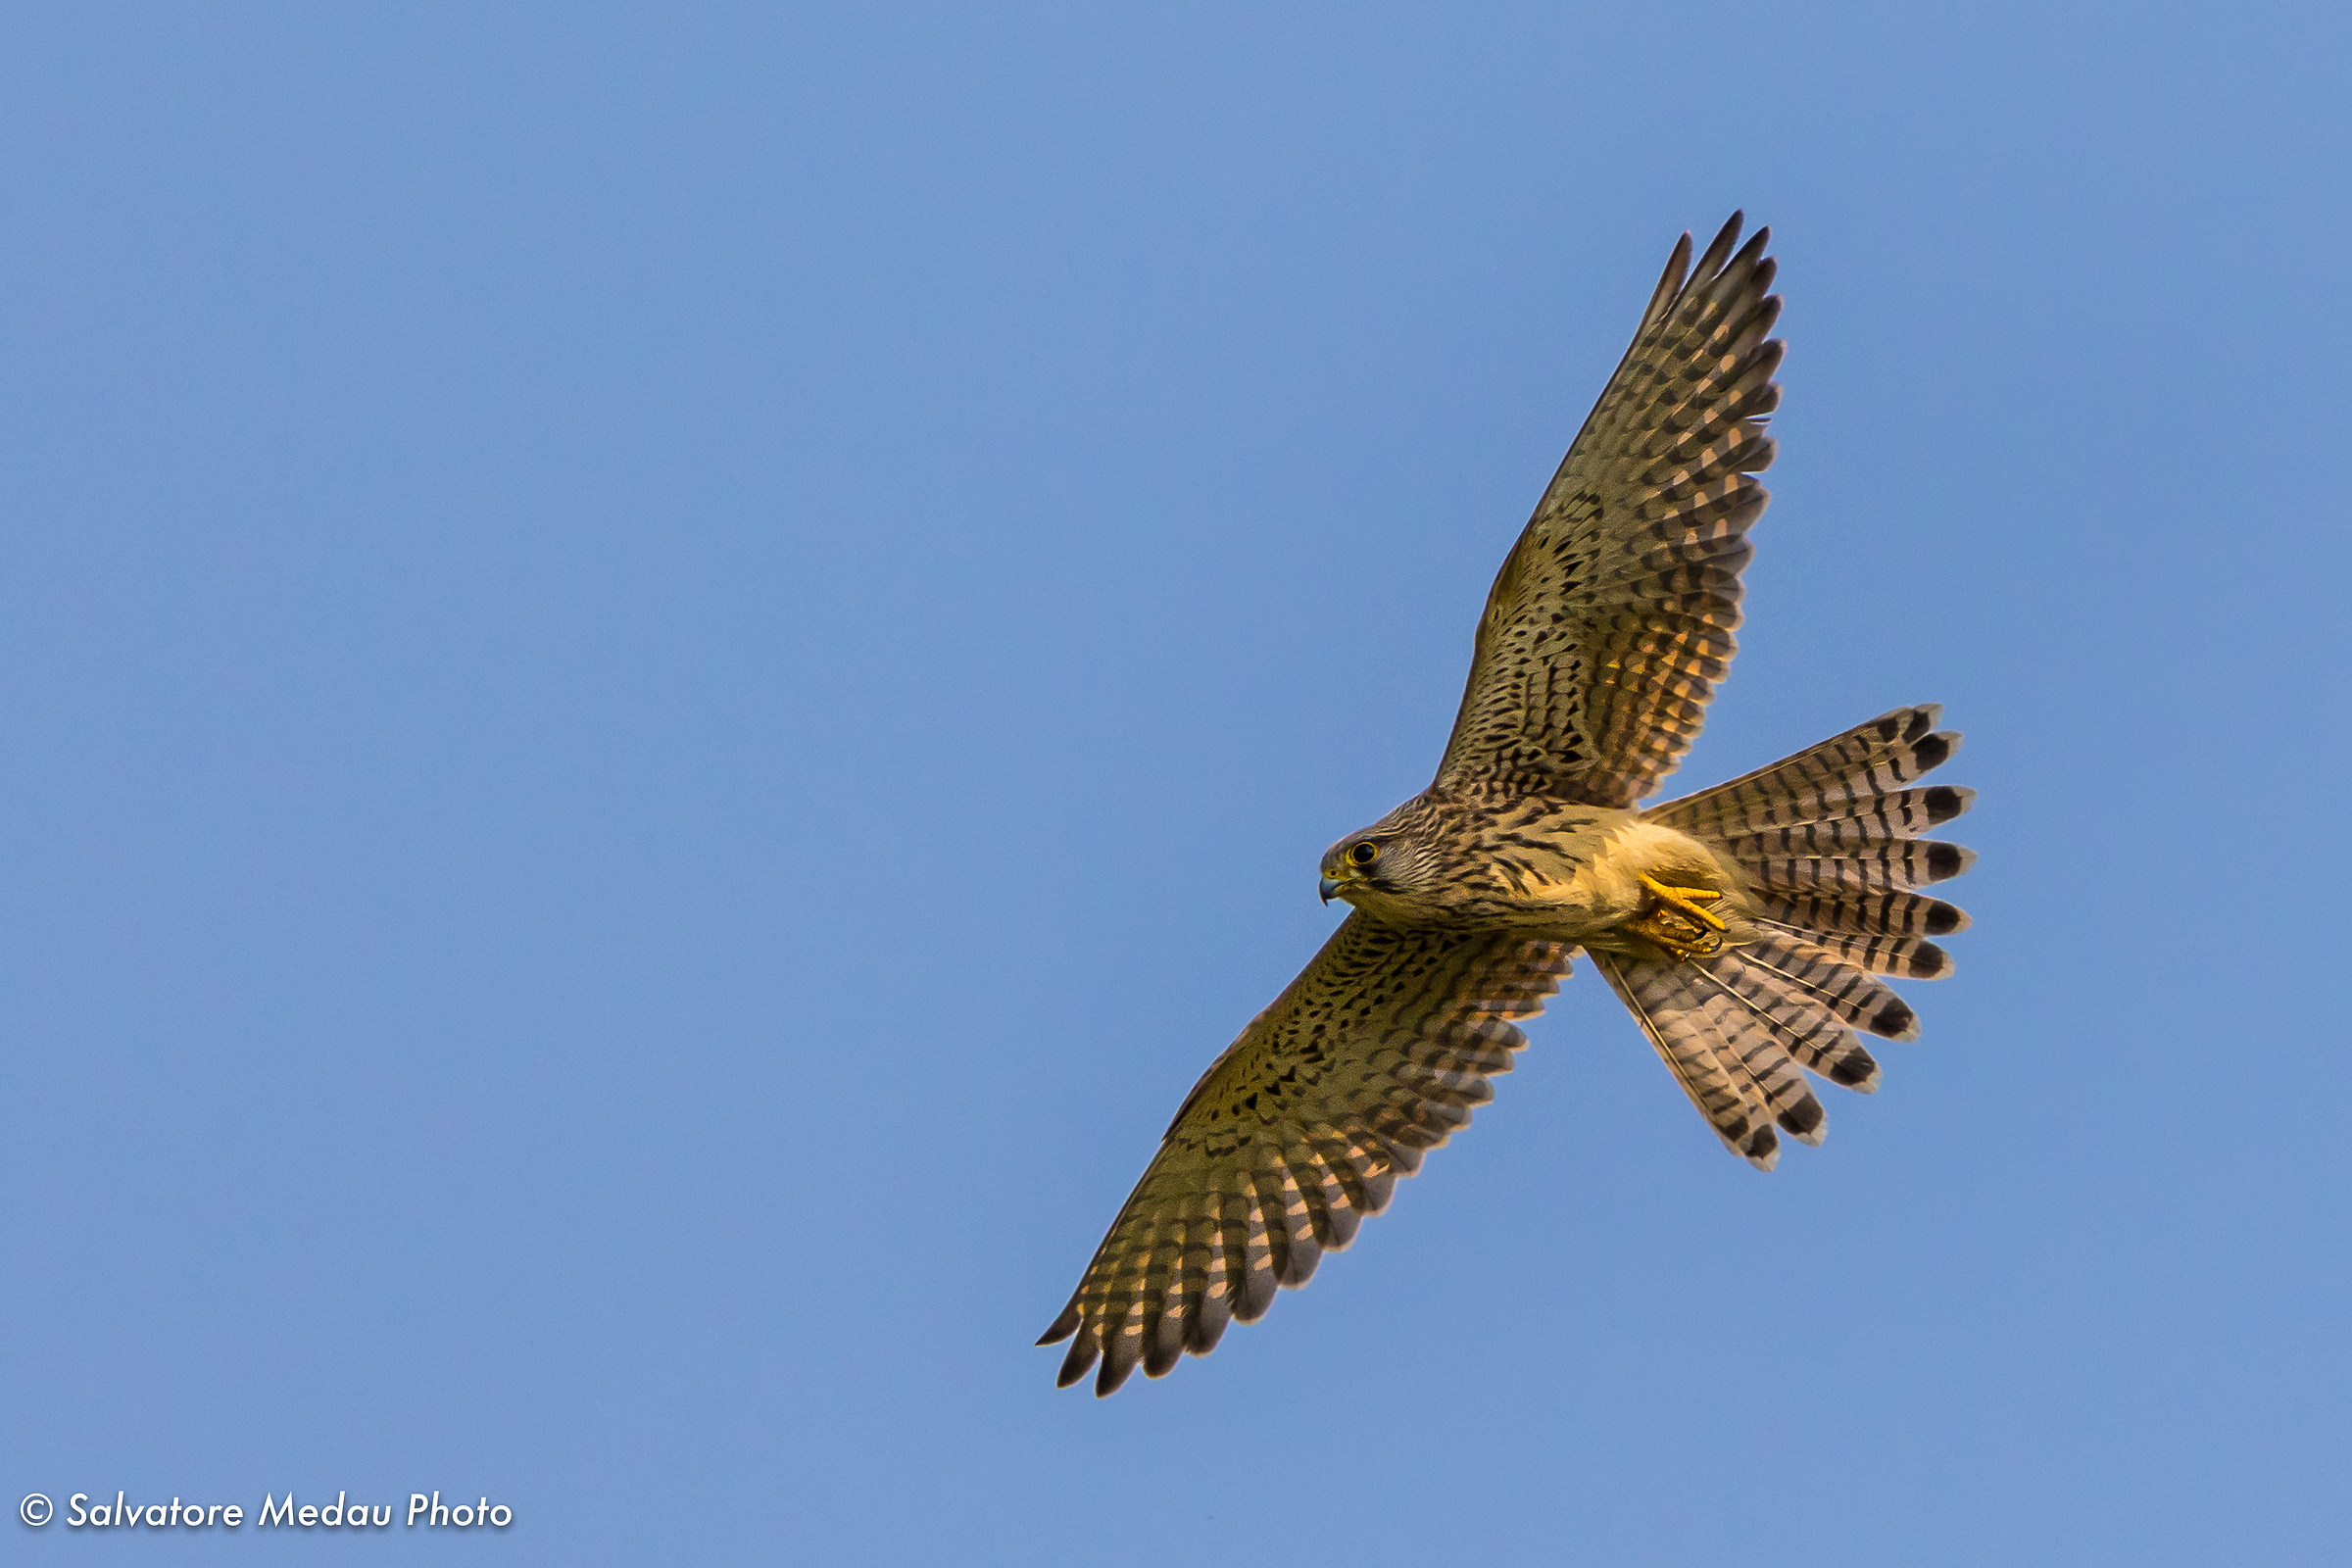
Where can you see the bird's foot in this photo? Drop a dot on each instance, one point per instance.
(1679, 922)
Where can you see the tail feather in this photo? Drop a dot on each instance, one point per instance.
(1808, 1032)
(1883, 915)
(1865, 825)
(1830, 842)
(1760, 1059)
(1889, 869)
(1795, 1109)
(1911, 957)
(1826, 782)
(1852, 997)
(1676, 1015)
(1898, 815)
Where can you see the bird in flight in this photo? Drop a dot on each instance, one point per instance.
(1745, 926)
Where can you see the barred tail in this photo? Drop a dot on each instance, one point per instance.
(1828, 841)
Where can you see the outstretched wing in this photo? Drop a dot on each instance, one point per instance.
(1612, 617)
(1375, 1053)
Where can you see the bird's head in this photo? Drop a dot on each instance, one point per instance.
(1389, 862)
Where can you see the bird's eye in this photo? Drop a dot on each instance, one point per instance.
(1362, 854)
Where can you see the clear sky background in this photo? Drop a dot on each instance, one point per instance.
(665, 672)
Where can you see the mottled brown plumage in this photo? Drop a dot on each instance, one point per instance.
(1743, 926)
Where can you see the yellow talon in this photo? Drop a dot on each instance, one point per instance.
(1687, 900)
(1681, 924)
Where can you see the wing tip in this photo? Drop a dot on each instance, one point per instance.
(1078, 1362)
(1062, 1327)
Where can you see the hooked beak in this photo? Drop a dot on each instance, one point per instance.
(1327, 887)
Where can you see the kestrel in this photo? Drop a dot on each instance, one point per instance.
(1745, 925)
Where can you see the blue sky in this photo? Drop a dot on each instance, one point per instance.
(665, 672)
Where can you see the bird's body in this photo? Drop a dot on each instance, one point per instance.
(1504, 860)
(1745, 926)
